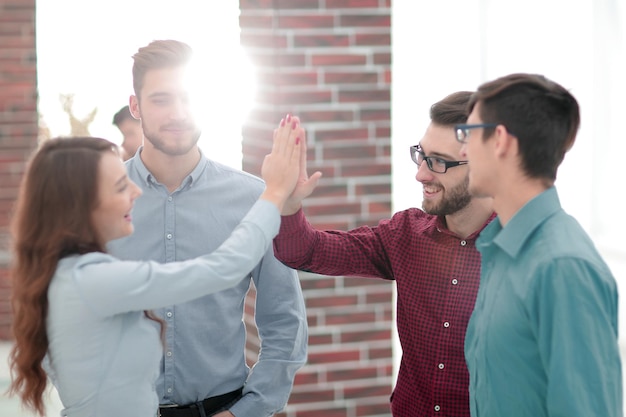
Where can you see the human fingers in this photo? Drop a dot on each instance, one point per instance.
(296, 134)
(281, 133)
(277, 132)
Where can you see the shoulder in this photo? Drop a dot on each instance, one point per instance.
(219, 169)
(562, 236)
(86, 267)
(75, 262)
(219, 179)
(93, 258)
(412, 218)
(412, 222)
(76, 270)
(562, 249)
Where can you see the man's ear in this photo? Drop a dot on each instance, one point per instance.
(505, 143)
(133, 106)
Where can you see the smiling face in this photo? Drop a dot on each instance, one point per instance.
(116, 196)
(444, 193)
(164, 107)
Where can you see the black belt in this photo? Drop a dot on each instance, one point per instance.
(209, 405)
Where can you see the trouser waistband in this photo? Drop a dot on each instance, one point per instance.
(202, 408)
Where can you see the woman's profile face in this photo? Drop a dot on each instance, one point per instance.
(116, 195)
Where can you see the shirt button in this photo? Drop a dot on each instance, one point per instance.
(446, 324)
(169, 314)
(169, 236)
(170, 198)
(455, 281)
(169, 353)
(440, 366)
(169, 390)
(437, 408)
(463, 243)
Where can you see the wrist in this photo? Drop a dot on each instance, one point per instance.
(276, 198)
(290, 208)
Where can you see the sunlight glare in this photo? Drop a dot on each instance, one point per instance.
(222, 97)
(96, 69)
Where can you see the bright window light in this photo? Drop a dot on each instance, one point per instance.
(86, 55)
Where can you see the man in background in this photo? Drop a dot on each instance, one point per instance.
(131, 132)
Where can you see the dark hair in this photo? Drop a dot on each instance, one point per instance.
(156, 55)
(541, 114)
(52, 219)
(451, 110)
(122, 115)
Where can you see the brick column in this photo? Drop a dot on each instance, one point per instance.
(329, 62)
(18, 122)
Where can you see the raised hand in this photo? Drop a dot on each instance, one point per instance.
(305, 184)
(281, 167)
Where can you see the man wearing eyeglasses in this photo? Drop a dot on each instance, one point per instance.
(542, 341)
(430, 254)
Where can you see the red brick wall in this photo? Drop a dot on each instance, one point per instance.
(18, 121)
(329, 62)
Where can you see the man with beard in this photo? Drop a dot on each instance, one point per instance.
(190, 205)
(431, 255)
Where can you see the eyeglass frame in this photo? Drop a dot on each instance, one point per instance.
(417, 149)
(461, 131)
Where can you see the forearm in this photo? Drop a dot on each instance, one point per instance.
(295, 240)
(280, 316)
(356, 252)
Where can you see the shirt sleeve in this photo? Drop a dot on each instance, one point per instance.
(356, 252)
(281, 321)
(110, 286)
(574, 311)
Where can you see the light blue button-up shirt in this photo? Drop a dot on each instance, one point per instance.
(206, 337)
(542, 340)
(103, 353)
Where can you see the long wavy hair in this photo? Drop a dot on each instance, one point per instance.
(52, 220)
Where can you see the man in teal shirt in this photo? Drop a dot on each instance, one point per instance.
(542, 340)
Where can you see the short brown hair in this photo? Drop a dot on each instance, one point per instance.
(451, 110)
(541, 114)
(156, 55)
(122, 115)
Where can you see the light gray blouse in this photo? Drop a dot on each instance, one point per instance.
(104, 354)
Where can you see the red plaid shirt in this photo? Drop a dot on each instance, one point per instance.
(437, 275)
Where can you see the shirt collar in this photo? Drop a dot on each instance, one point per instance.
(522, 225)
(442, 227)
(148, 179)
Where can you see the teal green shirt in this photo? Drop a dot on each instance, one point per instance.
(542, 340)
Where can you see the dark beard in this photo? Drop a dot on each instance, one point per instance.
(161, 145)
(456, 198)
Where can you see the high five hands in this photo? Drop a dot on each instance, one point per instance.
(281, 167)
(304, 184)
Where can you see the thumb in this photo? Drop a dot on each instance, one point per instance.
(311, 183)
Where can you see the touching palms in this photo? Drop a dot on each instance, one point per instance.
(305, 184)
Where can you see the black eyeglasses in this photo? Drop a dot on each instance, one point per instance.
(462, 132)
(434, 163)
